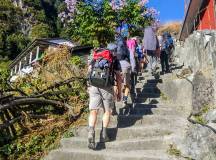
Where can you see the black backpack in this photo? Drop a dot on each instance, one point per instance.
(102, 74)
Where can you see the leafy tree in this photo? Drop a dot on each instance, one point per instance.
(94, 22)
(10, 21)
(41, 31)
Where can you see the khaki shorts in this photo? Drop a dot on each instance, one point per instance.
(126, 77)
(101, 98)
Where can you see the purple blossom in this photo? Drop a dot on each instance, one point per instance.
(152, 11)
(118, 4)
(143, 2)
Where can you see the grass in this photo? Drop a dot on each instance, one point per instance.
(164, 97)
(174, 151)
(200, 119)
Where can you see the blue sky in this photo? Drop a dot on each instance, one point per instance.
(170, 10)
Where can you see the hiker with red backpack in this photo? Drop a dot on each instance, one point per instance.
(104, 74)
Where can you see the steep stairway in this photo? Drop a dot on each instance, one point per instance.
(142, 130)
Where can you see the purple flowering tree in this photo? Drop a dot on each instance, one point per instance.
(94, 21)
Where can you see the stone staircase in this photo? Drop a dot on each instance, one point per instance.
(142, 130)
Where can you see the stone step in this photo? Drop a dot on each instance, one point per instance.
(86, 154)
(152, 143)
(130, 132)
(148, 100)
(149, 111)
(143, 84)
(148, 95)
(146, 89)
(123, 121)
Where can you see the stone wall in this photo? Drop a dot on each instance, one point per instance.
(198, 54)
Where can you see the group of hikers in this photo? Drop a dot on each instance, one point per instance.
(112, 70)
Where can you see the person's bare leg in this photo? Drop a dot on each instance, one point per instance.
(91, 133)
(106, 120)
(93, 118)
(127, 90)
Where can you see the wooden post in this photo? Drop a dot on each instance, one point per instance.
(20, 65)
(3, 121)
(30, 58)
(8, 117)
(11, 73)
(38, 50)
(15, 68)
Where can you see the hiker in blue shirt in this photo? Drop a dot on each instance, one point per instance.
(166, 46)
(123, 29)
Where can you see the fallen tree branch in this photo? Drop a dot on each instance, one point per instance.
(58, 84)
(28, 101)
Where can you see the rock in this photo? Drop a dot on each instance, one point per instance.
(202, 93)
(198, 53)
(179, 91)
(200, 143)
(211, 116)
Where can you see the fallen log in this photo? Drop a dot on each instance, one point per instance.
(29, 101)
(58, 84)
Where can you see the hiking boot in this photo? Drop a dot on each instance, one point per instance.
(168, 71)
(162, 73)
(91, 139)
(104, 136)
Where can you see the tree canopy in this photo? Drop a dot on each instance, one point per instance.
(90, 22)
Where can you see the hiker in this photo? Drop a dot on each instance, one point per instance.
(123, 29)
(171, 47)
(141, 58)
(131, 44)
(103, 69)
(123, 56)
(166, 47)
(150, 44)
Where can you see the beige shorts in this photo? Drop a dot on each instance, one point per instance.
(126, 77)
(101, 98)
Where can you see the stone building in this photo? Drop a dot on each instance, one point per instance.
(200, 15)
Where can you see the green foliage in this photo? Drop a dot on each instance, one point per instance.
(11, 38)
(200, 119)
(41, 31)
(4, 74)
(164, 97)
(174, 151)
(98, 28)
(76, 60)
(132, 14)
(26, 150)
(68, 134)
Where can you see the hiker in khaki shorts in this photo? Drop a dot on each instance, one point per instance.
(104, 67)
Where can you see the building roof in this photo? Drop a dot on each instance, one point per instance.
(47, 41)
(190, 17)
